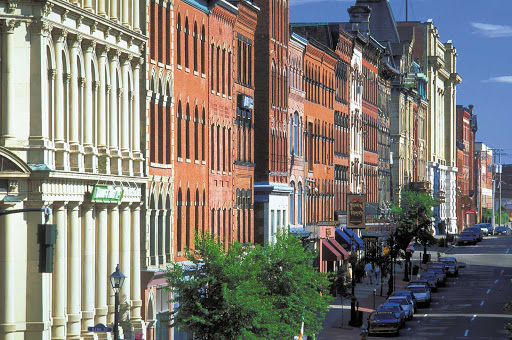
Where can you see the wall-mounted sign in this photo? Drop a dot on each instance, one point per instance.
(246, 102)
(107, 194)
(356, 211)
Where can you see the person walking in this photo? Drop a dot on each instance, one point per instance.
(377, 274)
(368, 268)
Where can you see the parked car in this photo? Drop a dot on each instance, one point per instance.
(439, 272)
(396, 308)
(452, 267)
(439, 264)
(479, 233)
(501, 230)
(467, 237)
(432, 279)
(421, 293)
(489, 228)
(419, 282)
(484, 229)
(409, 294)
(383, 323)
(406, 304)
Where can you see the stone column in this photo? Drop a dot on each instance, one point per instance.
(124, 261)
(135, 20)
(88, 5)
(113, 10)
(8, 79)
(73, 266)
(90, 82)
(114, 123)
(136, 132)
(161, 237)
(101, 8)
(113, 254)
(88, 281)
(135, 315)
(59, 287)
(101, 128)
(61, 155)
(125, 10)
(75, 107)
(102, 274)
(125, 117)
(8, 254)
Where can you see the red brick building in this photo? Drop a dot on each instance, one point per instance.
(271, 189)
(466, 129)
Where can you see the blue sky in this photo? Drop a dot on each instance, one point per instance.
(481, 31)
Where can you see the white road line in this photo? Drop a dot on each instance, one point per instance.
(466, 332)
(488, 290)
(496, 281)
(425, 315)
(507, 251)
(419, 321)
(481, 303)
(408, 329)
(473, 318)
(502, 271)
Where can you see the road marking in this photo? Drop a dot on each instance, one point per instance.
(482, 303)
(425, 315)
(419, 321)
(502, 271)
(408, 329)
(473, 318)
(496, 281)
(507, 251)
(466, 332)
(488, 290)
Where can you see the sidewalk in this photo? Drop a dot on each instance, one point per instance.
(334, 329)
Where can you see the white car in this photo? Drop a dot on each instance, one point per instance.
(406, 304)
(421, 293)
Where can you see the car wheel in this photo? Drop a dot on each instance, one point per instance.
(397, 333)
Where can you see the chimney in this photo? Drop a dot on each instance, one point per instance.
(470, 108)
(360, 19)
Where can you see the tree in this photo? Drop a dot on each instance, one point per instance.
(487, 216)
(248, 293)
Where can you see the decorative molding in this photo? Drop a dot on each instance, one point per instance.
(8, 25)
(79, 21)
(106, 33)
(118, 37)
(12, 6)
(64, 15)
(47, 9)
(94, 27)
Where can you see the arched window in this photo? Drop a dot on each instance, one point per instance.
(179, 222)
(290, 137)
(203, 47)
(186, 32)
(196, 135)
(218, 147)
(203, 140)
(292, 204)
(196, 214)
(212, 148)
(187, 226)
(187, 133)
(178, 40)
(299, 204)
(296, 133)
(50, 93)
(224, 149)
(178, 130)
(152, 229)
(168, 224)
(203, 218)
(195, 46)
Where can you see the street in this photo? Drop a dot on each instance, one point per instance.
(469, 307)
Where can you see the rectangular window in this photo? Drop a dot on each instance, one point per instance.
(229, 74)
(249, 65)
(239, 61)
(218, 69)
(211, 68)
(223, 71)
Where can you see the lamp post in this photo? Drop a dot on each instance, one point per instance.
(353, 299)
(116, 280)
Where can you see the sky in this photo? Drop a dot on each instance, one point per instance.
(481, 31)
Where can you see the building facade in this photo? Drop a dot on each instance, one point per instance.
(71, 141)
(483, 177)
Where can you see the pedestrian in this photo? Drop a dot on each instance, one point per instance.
(377, 274)
(368, 270)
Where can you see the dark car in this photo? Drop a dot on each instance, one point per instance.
(432, 279)
(501, 230)
(406, 293)
(396, 308)
(452, 267)
(467, 237)
(421, 293)
(383, 323)
(478, 232)
(441, 276)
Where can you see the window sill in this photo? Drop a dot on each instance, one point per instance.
(187, 70)
(203, 162)
(196, 162)
(179, 67)
(188, 160)
(196, 73)
(180, 159)
(203, 75)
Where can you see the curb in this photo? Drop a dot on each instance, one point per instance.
(451, 247)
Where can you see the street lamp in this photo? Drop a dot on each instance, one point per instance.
(116, 280)
(353, 317)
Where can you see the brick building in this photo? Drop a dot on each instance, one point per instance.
(271, 189)
(483, 177)
(466, 127)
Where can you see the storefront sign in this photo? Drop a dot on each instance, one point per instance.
(107, 194)
(356, 211)
(246, 102)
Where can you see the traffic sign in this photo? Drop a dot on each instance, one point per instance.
(99, 328)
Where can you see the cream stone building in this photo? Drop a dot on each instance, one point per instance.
(438, 62)
(70, 128)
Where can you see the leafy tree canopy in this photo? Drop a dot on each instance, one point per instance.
(248, 293)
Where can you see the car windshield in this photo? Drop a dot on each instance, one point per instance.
(400, 300)
(501, 228)
(418, 289)
(466, 233)
(389, 308)
(383, 317)
(401, 293)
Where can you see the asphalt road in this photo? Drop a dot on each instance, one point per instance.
(471, 305)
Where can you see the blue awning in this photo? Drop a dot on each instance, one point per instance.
(342, 238)
(347, 234)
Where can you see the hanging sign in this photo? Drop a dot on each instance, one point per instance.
(356, 211)
(107, 194)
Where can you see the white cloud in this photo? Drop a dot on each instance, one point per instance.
(502, 79)
(492, 31)
(303, 2)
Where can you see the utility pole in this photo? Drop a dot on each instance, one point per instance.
(406, 10)
(493, 189)
(499, 186)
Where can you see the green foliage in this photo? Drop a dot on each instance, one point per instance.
(487, 216)
(341, 282)
(413, 218)
(254, 293)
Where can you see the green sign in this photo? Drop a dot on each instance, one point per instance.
(107, 194)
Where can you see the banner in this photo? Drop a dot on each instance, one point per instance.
(356, 211)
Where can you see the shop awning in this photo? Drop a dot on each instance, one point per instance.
(351, 235)
(329, 252)
(342, 238)
(338, 247)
